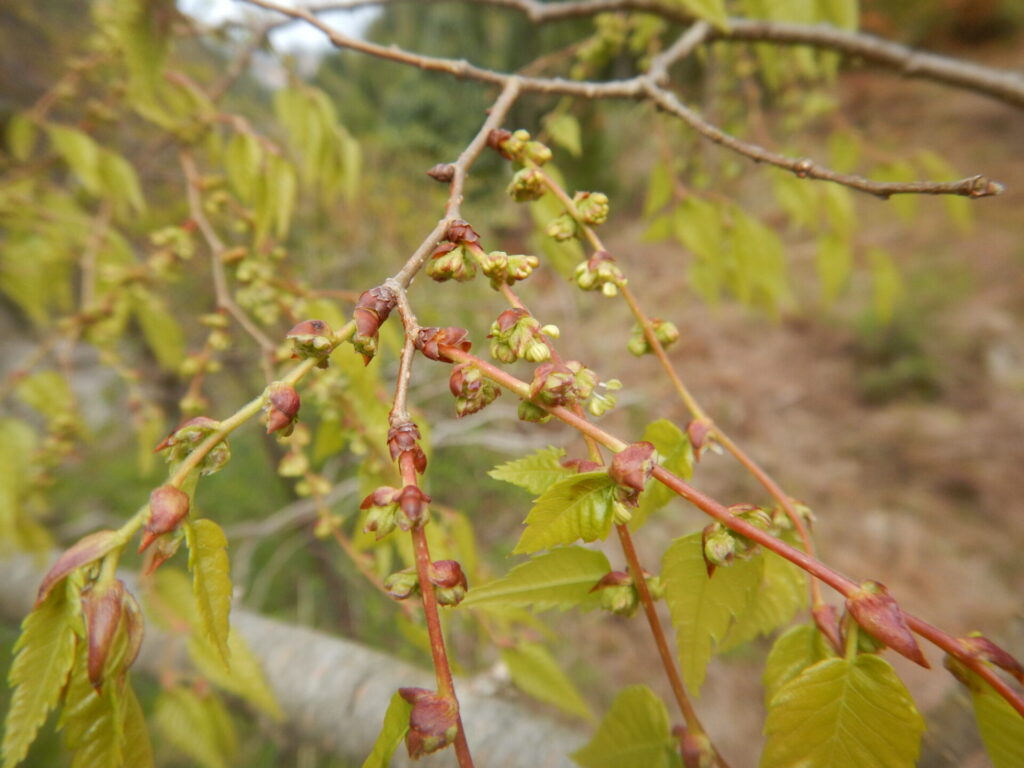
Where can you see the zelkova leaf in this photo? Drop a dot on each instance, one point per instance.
(709, 10)
(245, 679)
(44, 654)
(561, 578)
(1001, 726)
(576, 507)
(780, 594)
(138, 751)
(80, 152)
(796, 649)
(121, 183)
(93, 722)
(211, 580)
(846, 712)
(22, 132)
(197, 726)
(536, 472)
(536, 672)
(634, 733)
(702, 608)
(396, 724)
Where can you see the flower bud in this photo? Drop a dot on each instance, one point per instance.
(527, 184)
(168, 506)
(874, 609)
(432, 341)
(443, 172)
(534, 413)
(433, 722)
(372, 309)
(382, 517)
(536, 152)
(412, 501)
(451, 262)
(562, 228)
(718, 546)
(599, 273)
(404, 439)
(632, 466)
(617, 593)
(471, 390)
(592, 207)
(312, 339)
(698, 431)
(449, 581)
(402, 584)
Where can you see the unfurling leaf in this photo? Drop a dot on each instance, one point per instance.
(536, 472)
(536, 672)
(561, 578)
(676, 455)
(84, 551)
(211, 580)
(634, 733)
(243, 159)
(780, 594)
(796, 649)
(44, 654)
(396, 725)
(576, 507)
(840, 713)
(564, 130)
(703, 609)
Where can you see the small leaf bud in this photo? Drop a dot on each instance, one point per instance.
(168, 506)
(449, 581)
(433, 722)
(527, 184)
(562, 228)
(875, 610)
(312, 339)
(102, 605)
(402, 584)
(592, 207)
(283, 408)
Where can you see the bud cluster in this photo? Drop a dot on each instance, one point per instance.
(188, 436)
(630, 469)
(564, 384)
(431, 342)
(312, 339)
(168, 506)
(433, 722)
(403, 439)
(449, 581)
(592, 207)
(722, 546)
(518, 146)
(618, 593)
(599, 273)
(471, 390)
(389, 508)
(451, 261)
(282, 408)
(503, 269)
(372, 309)
(517, 334)
(527, 185)
(563, 227)
(664, 331)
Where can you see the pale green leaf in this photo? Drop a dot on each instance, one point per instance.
(703, 608)
(93, 723)
(211, 580)
(396, 724)
(197, 727)
(709, 10)
(799, 199)
(243, 160)
(1001, 726)
(698, 226)
(120, 184)
(35, 274)
(560, 578)
(886, 285)
(284, 190)
(47, 392)
(795, 650)
(675, 455)
(844, 14)
(44, 654)
(780, 594)
(162, 332)
(839, 209)
(834, 260)
(536, 472)
(634, 733)
(21, 136)
(138, 752)
(847, 713)
(80, 152)
(564, 130)
(576, 507)
(659, 191)
(843, 150)
(18, 442)
(535, 671)
(245, 679)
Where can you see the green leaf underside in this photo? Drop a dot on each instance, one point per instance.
(576, 507)
(45, 653)
(634, 733)
(211, 580)
(780, 594)
(396, 724)
(535, 671)
(1001, 727)
(561, 578)
(536, 472)
(845, 713)
(703, 609)
(794, 651)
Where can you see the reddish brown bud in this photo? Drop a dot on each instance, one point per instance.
(613, 579)
(433, 722)
(309, 328)
(981, 647)
(826, 618)
(698, 430)
(168, 506)
(446, 573)
(284, 407)
(84, 551)
(443, 172)
(696, 748)
(432, 341)
(101, 606)
(874, 609)
(581, 465)
(197, 424)
(461, 232)
(412, 502)
(381, 497)
(496, 138)
(631, 467)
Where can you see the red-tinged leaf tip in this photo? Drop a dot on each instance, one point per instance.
(875, 610)
(84, 551)
(980, 647)
(102, 606)
(203, 422)
(581, 465)
(433, 722)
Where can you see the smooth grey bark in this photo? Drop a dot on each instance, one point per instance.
(334, 691)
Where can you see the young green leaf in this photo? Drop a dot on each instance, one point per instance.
(834, 260)
(780, 594)
(21, 136)
(633, 734)
(564, 130)
(162, 332)
(283, 184)
(93, 722)
(709, 10)
(211, 580)
(886, 284)
(704, 608)
(44, 654)
(576, 507)
(536, 472)
(197, 726)
(138, 752)
(396, 724)
(80, 152)
(245, 679)
(676, 456)
(846, 712)
(560, 578)
(243, 159)
(794, 651)
(120, 184)
(536, 672)
(659, 189)
(1001, 726)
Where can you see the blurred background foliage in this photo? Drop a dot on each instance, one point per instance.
(889, 291)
